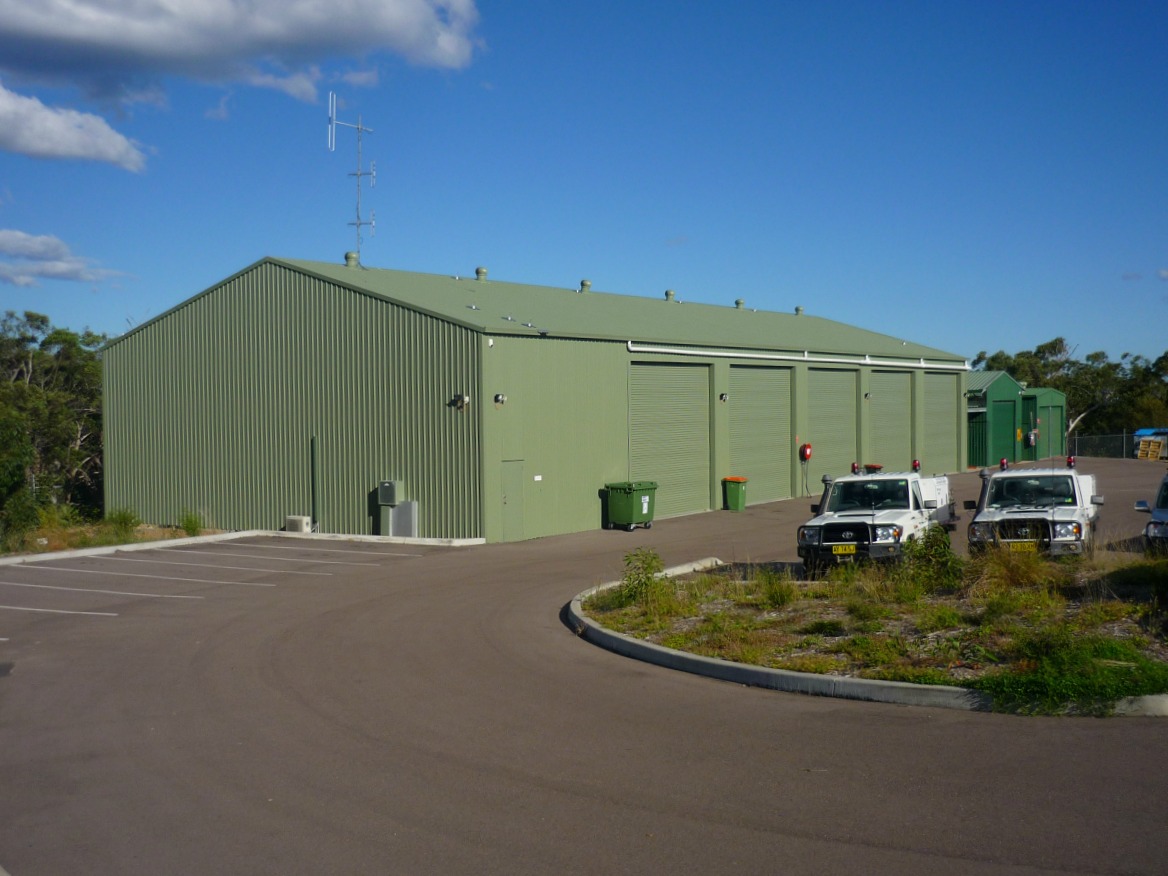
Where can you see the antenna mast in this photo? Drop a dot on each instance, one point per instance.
(371, 173)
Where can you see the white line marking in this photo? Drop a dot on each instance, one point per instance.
(261, 557)
(92, 590)
(152, 577)
(57, 611)
(210, 566)
(280, 547)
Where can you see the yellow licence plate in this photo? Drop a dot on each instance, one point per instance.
(1024, 546)
(843, 548)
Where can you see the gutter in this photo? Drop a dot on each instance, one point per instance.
(634, 347)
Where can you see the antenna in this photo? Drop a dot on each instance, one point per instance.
(371, 173)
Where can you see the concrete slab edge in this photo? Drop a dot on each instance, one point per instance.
(229, 536)
(870, 690)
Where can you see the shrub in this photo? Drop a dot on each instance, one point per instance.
(123, 522)
(1055, 672)
(776, 589)
(190, 522)
(18, 518)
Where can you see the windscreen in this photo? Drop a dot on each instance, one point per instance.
(876, 495)
(1038, 491)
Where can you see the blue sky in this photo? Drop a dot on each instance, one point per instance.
(968, 175)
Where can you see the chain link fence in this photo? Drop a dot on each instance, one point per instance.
(1123, 446)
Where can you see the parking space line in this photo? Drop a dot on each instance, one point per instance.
(153, 577)
(280, 547)
(206, 565)
(58, 611)
(94, 590)
(261, 557)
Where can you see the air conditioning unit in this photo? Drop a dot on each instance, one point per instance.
(294, 523)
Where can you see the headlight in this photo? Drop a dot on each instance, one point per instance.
(808, 535)
(1068, 530)
(888, 533)
(981, 532)
(1157, 530)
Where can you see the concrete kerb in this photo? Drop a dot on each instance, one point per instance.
(871, 690)
(230, 536)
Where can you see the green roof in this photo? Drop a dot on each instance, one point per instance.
(503, 308)
(979, 381)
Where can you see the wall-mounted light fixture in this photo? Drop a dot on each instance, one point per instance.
(460, 401)
(500, 398)
(724, 397)
(867, 396)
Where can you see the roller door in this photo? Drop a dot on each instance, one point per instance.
(669, 434)
(761, 446)
(831, 429)
(890, 420)
(940, 450)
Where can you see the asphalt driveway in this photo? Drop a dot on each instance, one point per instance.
(303, 707)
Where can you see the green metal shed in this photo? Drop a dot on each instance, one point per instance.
(1044, 423)
(994, 407)
(492, 410)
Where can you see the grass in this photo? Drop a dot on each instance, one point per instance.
(60, 528)
(1039, 636)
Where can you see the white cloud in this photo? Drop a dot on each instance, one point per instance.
(112, 46)
(122, 50)
(301, 86)
(29, 127)
(26, 259)
(361, 78)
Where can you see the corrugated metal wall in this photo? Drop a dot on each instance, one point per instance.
(831, 429)
(559, 435)
(759, 408)
(669, 434)
(941, 450)
(215, 406)
(890, 413)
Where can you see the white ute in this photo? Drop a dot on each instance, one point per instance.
(871, 515)
(1045, 510)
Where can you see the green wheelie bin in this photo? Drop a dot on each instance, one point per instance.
(734, 494)
(630, 503)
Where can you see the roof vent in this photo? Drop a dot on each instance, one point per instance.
(739, 303)
(481, 274)
(585, 285)
(352, 260)
(798, 310)
(669, 295)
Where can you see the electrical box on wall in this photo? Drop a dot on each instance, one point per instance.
(390, 493)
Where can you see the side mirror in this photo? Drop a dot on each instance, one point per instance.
(1096, 500)
(1141, 505)
(930, 503)
(969, 504)
(815, 510)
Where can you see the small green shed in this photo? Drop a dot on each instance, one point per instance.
(994, 405)
(1044, 423)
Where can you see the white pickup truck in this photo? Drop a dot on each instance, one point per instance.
(1046, 510)
(871, 515)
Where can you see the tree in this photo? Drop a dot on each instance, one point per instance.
(50, 397)
(1102, 396)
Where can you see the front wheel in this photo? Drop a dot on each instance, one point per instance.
(648, 524)
(629, 527)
